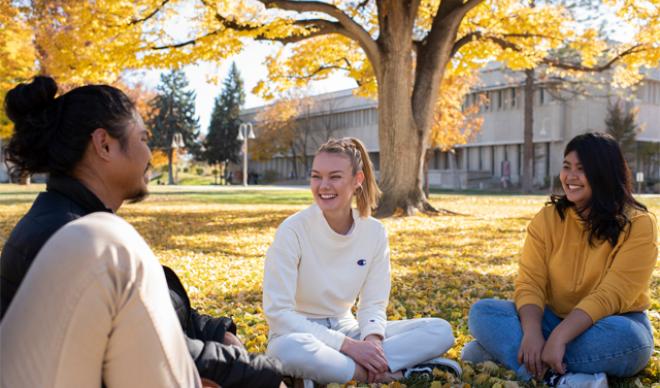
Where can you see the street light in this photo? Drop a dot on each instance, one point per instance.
(177, 142)
(245, 132)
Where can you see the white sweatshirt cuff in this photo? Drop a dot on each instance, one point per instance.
(372, 328)
(333, 338)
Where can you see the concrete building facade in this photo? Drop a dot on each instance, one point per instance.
(4, 176)
(494, 156)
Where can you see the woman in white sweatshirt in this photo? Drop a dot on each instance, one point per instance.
(325, 257)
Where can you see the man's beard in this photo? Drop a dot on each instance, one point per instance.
(143, 192)
(139, 196)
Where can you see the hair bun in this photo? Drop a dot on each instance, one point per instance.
(27, 99)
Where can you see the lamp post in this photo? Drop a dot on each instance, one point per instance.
(245, 132)
(177, 142)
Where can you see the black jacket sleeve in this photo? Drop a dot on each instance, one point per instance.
(227, 365)
(231, 366)
(208, 328)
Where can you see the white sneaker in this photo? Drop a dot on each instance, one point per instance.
(308, 383)
(583, 380)
(475, 353)
(426, 368)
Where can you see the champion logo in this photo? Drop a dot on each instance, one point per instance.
(362, 262)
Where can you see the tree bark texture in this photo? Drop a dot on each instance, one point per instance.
(401, 141)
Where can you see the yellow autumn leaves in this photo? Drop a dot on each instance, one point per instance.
(216, 242)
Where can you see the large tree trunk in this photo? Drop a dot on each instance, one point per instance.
(528, 133)
(401, 142)
(407, 93)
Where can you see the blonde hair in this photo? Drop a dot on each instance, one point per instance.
(368, 193)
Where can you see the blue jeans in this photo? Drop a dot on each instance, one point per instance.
(618, 345)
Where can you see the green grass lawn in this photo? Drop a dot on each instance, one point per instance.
(215, 238)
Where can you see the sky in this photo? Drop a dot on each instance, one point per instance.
(250, 63)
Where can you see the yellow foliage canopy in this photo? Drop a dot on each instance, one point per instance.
(94, 41)
(17, 56)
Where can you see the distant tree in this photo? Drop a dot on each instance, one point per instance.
(175, 118)
(221, 144)
(141, 95)
(286, 126)
(621, 123)
(456, 121)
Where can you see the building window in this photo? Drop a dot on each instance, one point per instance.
(513, 97)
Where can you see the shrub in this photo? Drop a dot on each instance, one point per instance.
(270, 176)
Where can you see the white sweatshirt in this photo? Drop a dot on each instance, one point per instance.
(313, 272)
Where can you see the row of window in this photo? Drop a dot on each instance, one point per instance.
(352, 119)
(503, 99)
(485, 158)
(649, 92)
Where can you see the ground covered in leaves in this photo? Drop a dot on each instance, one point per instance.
(216, 239)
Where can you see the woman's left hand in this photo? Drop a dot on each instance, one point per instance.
(553, 354)
(373, 377)
(572, 326)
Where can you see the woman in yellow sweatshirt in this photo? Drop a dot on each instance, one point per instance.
(583, 279)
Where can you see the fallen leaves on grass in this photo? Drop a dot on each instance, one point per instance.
(440, 265)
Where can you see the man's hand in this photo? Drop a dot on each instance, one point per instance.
(369, 354)
(206, 383)
(530, 351)
(231, 339)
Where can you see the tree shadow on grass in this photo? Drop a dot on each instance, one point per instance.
(178, 229)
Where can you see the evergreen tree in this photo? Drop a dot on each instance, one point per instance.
(221, 144)
(175, 118)
(621, 124)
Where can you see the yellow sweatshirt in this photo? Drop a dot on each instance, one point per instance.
(560, 269)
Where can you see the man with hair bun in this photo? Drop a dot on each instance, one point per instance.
(83, 300)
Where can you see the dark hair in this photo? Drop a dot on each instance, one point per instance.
(611, 186)
(51, 134)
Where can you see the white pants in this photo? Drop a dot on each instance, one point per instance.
(406, 343)
(94, 307)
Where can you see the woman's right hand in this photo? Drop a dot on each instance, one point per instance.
(369, 354)
(531, 348)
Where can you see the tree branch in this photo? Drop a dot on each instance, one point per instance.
(320, 26)
(318, 70)
(475, 35)
(353, 29)
(187, 42)
(363, 4)
(570, 66)
(596, 69)
(447, 7)
(150, 15)
(435, 52)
